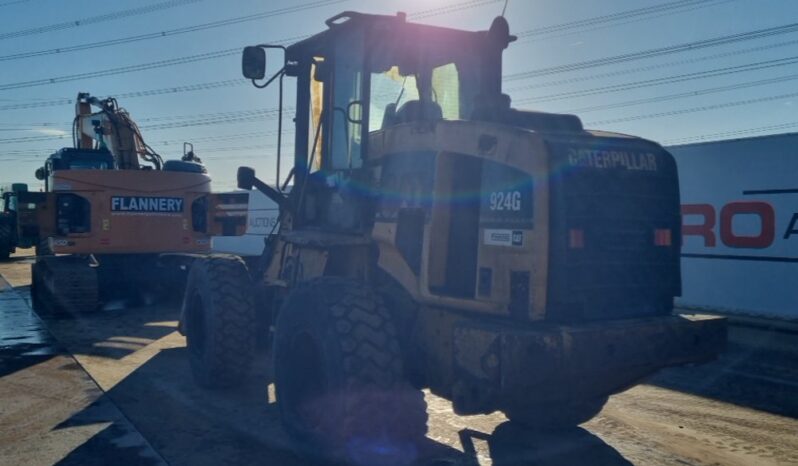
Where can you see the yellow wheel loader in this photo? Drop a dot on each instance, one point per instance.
(435, 237)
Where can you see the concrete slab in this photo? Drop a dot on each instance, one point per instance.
(52, 412)
(739, 410)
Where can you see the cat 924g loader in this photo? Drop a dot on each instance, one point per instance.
(111, 208)
(435, 237)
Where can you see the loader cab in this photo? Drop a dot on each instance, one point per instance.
(368, 73)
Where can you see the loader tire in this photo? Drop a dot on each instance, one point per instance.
(36, 288)
(43, 248)
(69, 284)
(219, 321)
(340, 387)
(556, 416)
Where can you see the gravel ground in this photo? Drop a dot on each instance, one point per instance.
(739, 410)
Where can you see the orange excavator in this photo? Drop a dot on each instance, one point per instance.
(112, 206)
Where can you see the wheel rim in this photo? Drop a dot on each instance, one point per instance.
(196, 334)
(304, 382)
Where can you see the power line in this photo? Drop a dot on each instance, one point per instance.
(194, 58)
(170, 119)
(188, 121)
(220, 137)
(96, 19)
(13, 2)
(656, 52)
(727, 134)
(702, 108)
(664, 98)
(134, 94)
(645, 11)
(214, 138)
(630, 21)
(656, 66)
(768, 64)
(195, 140)
(34, 139)
(253, 115)
(471, 4)
(239, 82)
(246, 116)
(451, 8)
(171, 32)
(123, 69)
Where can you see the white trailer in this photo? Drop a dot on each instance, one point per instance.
(740, 225)
(262, 217)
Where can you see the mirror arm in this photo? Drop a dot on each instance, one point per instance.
(273, 194)
(279, 73)
(266, 84)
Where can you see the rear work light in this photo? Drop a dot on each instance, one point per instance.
(662, 237)
(576, 238)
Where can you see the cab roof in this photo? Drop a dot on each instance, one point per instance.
(346, 22)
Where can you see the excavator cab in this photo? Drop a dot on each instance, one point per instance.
(112, 208)
(69, 158)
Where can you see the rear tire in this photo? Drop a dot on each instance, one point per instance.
(556, 416)
(68, 283)
(338, 374)
(219, 315)
(36, 289)
(43, 248)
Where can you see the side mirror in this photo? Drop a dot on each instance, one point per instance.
(253, 63)
(245, 178)
(41, 173)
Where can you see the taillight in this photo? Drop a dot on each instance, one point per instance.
(73, 214)
(662, 237)
(576, 238)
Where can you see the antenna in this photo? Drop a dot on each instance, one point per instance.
(504, 10)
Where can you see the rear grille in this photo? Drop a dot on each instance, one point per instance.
(622, 239)
(619, 270)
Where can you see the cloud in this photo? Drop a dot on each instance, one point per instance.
(49, 131)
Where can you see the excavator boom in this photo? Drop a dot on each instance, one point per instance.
(112, 128)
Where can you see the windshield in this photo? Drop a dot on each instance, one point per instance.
(399, 81)
(412, 80)
(88, 165)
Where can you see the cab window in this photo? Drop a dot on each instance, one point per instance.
(344, 132)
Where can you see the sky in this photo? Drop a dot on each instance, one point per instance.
(653, 68)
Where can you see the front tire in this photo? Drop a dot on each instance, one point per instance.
(43, 248)
(338, 375)
(36, 301)
(219, 321)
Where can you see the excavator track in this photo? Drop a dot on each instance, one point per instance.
(65, 284)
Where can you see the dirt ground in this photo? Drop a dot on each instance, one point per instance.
(739, 410)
